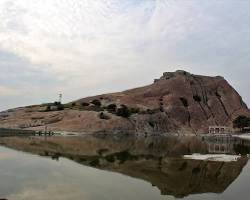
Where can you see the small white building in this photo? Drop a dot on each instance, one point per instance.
(219, 130)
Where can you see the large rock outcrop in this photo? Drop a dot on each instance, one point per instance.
(177, 102)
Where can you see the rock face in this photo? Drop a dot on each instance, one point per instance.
(177, 102)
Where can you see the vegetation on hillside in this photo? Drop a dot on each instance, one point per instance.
(241, 122)
(56, 106)
(123, 111)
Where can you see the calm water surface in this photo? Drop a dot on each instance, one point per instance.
(126, 168)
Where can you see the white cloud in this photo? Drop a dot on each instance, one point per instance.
(78, 36)
(88, 45)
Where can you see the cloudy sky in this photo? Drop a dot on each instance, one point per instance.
(86, 47)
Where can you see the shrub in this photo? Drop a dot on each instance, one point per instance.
(152, 111)
(96, 102)
(197, 98)
(217, 94)
(184, 102)
(241, 122)
(94, 163)
(101, 151)
(134, 110)
(110, 158)
(151, 124)
(60, 107)
(161, 108)
(94, 108)
(123, 111)
(56, 103)
(103, 116)
(73, 104)
(48, 108)
(149, 111)
(84, 104)
(111, 107)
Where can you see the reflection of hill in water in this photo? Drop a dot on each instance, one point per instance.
(154, 159)
(178, 177)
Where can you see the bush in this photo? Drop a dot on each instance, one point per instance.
(241, 122)
(151, 124)
(73, 104)
(48, 108)
(94, 163)
(96, 102)
(134, 110)
(56, 103)
(123, 111)
(152, 111)
(93, 108)
(60, 107)
(110, 158)
(197, 98)
(217, 94)
(111, 107)
(84, 104)
(103, 116)
(161, 108)
(184, 102)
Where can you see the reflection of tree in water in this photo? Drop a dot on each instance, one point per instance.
(242, 149)
(155, 159)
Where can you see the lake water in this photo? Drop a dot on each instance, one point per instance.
(122, 168)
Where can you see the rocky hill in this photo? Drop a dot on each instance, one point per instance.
(176, 102)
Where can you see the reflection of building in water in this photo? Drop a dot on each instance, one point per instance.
(220, 148)
(219, 130)
(222, 145)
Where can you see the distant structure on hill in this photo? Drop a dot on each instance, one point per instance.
(60, 98)
(220, 130)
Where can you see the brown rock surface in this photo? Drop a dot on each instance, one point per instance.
(177, 102)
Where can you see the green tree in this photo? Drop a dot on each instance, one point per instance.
(60, 107)
(103, 116)
(57, 103)
(184, 101)
(241, 122)
(84, 104)
(123, 111)
(96, 102)
(134, 110)
(111, 107)
(48, 108)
